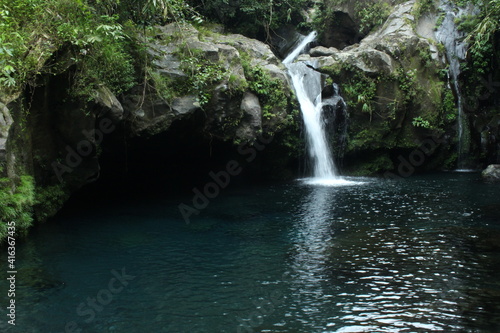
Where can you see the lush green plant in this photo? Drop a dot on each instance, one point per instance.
(173, 9)
(148, 12)
(467, 23)
(440, 20)
(360, 92)
(48, 200)
(420, 122)
(105, 63)
(164, 86)
(251, 17)
(422, 7)
(371, 15)
(407, 82)
(481, 31)
(16, 200)
(31, 30)
(426, 57)
(270, 90)
(202, 74)
(449, 107)
(465, 3)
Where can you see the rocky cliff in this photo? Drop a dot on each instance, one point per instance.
(232, 90)
(394, 81)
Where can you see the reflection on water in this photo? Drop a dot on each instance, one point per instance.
(311, 243)
(415, 255)
(401, 275)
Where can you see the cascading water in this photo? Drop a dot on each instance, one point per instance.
(307, 84)
(456, 49)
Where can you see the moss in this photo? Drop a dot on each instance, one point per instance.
(202, 74)
(166, 87)
(272, 93)
(440, 21)
(371, 15)
(373, 165)
(16, 201)
(369, 138)
(423, 6)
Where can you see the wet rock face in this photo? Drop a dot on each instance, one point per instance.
(492, 173)
(67, 142)
(388, 79)
(151, 115)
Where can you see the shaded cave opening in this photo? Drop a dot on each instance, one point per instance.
(172, 164)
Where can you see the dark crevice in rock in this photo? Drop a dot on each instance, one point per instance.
(342, 32)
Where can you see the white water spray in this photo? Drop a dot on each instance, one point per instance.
(307, 84)
(295, 53)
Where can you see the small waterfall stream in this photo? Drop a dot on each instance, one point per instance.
(456, 49)
(307, 84)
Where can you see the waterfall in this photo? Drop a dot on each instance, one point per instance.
(302, 45)
(307, 84)
(452, 39)
(308, 87)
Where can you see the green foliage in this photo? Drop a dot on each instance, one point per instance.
(481, 31)
(467, 23)
(465, 3)
(270, 91)
(371, 15)
(164, 85)
(407, 82)
(148, 12)
(105, 63)
(251, 17)
(31, 30)
(373, 165)
(420, 122)
(202, 73)
(360, 92)
(423, 6)
(369, 137)
(175, 10)
(48, 201)
(426, 57)
(440, 20)
(449, 108)
(16, 200)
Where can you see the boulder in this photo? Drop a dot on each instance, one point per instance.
(232, 112)
(321, 51)
(5, 119)
(252, 117)
(185, 105)
(250, 105)
(3, 151)
(492, 173)
(108, 101)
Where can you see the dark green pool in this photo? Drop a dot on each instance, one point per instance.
(415, 255)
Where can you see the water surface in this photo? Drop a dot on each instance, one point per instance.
(415, 255)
